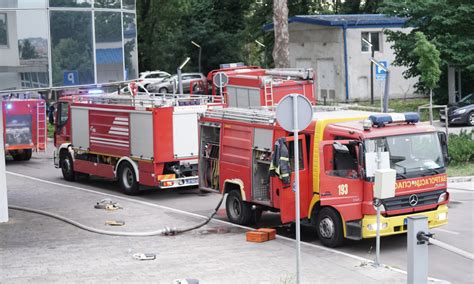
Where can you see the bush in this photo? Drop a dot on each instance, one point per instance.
(461, 147)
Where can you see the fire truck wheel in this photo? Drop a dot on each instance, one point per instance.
(27, 154)
(238, 211)
(127, 179)
(67, 167)
(329, 227)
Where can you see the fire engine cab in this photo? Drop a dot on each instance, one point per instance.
(24, 120)
(247, 155)
(252, 86)
(146, 140)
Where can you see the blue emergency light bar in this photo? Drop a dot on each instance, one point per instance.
(382, 119)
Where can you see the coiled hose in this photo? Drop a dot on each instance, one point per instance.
(163, 232)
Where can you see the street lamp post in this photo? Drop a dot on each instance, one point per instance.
(264, 52)
(199, 58)
(180, 80)
(371, 71)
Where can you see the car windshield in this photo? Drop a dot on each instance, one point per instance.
(411, 155)
(469, 99)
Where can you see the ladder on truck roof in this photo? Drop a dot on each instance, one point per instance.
(144, 101)
(268, 91)
(41, 131)
(262, 116)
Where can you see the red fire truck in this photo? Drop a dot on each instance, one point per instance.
(240, 149)
(253, 86)
(151, 141)
(24, 120)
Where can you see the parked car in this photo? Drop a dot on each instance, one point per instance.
(461, 112)
(151, 77)
(171, 83)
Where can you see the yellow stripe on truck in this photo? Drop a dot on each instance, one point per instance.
(318, 137)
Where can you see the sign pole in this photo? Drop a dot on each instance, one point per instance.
(377, 204)
(296, 184)
(3, 177)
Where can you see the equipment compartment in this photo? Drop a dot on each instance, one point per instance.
(209, 156)
(261, 175)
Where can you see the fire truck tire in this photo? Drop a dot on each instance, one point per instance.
(238, 211)
(67, 166)
(329, 227)
(27, 154)
(127, 179)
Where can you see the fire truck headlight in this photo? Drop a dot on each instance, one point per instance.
(373, 227)
(9, 106)
(167, 183)
(442, 216)
(443, 197)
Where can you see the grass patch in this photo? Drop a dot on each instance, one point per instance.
(50, 130)
(466, 169)
(408, 105)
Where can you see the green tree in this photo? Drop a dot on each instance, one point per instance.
(27, 51)
(428, 65)
(447, 24)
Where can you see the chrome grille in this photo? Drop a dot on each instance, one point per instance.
(403, 201)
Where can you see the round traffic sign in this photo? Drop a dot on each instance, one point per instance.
(220, 79)
(286, 109)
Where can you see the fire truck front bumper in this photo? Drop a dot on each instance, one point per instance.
(398, 224)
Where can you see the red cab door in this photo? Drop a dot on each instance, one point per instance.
(340, 182)
(286, 194)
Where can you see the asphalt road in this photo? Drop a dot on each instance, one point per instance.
(442, 264)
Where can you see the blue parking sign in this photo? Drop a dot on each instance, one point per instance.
(380, 74)
(71, 78)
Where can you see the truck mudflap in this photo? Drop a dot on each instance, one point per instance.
(179, 182)
(398, 224)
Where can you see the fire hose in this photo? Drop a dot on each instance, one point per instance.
(163, 232)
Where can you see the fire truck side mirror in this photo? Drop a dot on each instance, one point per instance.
(340, 148)
(443, 141)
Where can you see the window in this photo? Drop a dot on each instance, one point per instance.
(3, 30)
(63, 111)
(341, 160)
(373, 38)
(291, 150)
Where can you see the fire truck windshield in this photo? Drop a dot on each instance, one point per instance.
(411, 155)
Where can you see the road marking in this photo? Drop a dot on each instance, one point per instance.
(447, 231)
(213, 220)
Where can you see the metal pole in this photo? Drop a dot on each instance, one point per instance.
(385, 96)
(377, 205)
(417, 270)
(3, 176)
(372, 80)
(446, 121)
(431, 107)
(180, 82)
(296, 184)
(200, 49)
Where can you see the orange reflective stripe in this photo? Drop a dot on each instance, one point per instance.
(165, 177)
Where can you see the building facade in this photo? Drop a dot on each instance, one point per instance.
(332, 45)
(48, 44)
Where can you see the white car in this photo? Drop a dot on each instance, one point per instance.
(151, 77)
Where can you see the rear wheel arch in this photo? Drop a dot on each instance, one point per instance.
(132, 162)
(235, 184)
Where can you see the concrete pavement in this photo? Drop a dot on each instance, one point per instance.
(40, 249)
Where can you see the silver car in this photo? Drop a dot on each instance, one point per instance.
(170, 85)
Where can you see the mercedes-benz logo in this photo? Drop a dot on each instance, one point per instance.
(413, 200)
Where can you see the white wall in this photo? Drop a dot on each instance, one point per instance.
(310, 44)
(359, 68)
(9, 55)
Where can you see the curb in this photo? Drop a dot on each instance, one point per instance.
(460, 179)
